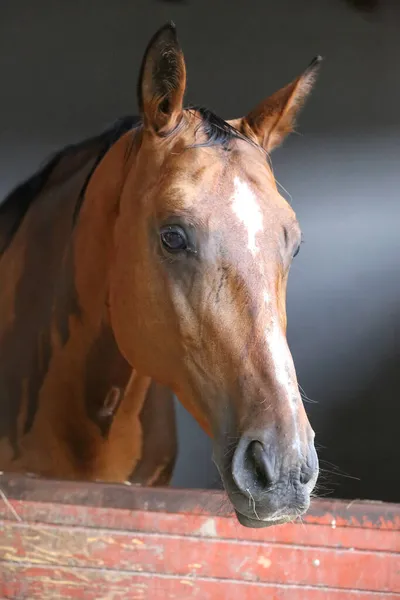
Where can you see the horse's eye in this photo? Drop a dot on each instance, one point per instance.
(173, 238)
(296, 251)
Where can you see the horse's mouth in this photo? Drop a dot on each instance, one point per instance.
(259, 523)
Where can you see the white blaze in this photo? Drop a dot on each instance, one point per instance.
(246, 208)
(281, 359)
(284, 371)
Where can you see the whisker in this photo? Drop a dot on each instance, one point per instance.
(299, 518)
(290, 200)
(254, 504)
(334, 470)
(304, 395)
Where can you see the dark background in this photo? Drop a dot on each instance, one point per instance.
(68, 68)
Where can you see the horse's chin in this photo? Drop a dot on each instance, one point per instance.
(260, 524)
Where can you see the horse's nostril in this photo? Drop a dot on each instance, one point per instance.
(308, 472)
(310, 469)
(261, 465)
(252, 469)
(305, 475)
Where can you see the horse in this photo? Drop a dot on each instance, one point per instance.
(148, 261)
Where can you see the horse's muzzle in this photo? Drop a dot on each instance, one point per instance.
(267, 488)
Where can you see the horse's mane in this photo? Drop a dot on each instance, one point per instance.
(217, 131)
(15, 206)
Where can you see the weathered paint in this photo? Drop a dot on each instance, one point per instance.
(79, 546)
(46, 583)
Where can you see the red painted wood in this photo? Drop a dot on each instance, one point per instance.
(47, 583)
(178, 544)
(182, 556)
(314, 534)
(373, 515)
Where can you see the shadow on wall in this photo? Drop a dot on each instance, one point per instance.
(369, 466)
(194, 467)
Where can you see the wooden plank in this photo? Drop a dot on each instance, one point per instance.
(372, 515)
(213, 558)
(47, 583)
(78, 540)
(315, 534)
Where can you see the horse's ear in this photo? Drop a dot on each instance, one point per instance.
(273, 119)
(162, 82)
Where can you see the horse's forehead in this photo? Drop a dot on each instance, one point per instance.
(248, 210)
(210, 183)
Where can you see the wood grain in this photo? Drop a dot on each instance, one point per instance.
(73, 540)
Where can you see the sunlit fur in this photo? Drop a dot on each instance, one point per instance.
(100, 323)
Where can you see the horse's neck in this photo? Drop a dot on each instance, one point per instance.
(91, 254)
(60, 362)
